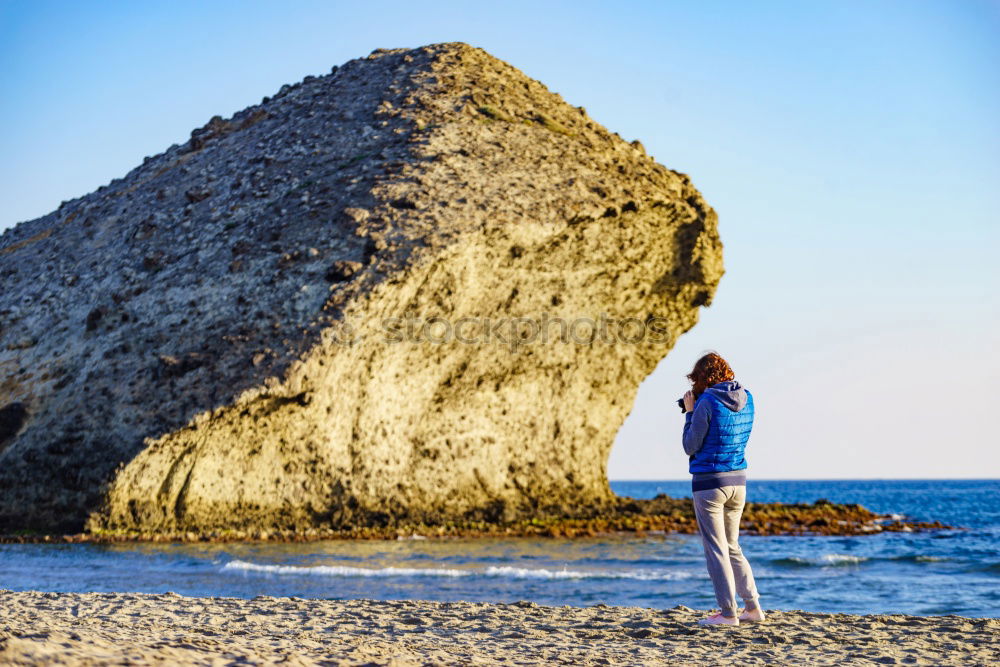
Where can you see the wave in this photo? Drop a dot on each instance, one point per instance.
(834, 560)
(917, 558)
(505, 572)
(826, 560)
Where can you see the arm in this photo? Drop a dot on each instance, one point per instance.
(695, 427)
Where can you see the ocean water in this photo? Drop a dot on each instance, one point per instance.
(945, 572)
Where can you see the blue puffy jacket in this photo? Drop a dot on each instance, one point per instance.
(727, 432)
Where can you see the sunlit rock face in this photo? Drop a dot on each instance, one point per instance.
(422, 287)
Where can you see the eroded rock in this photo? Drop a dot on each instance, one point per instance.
(381, 296)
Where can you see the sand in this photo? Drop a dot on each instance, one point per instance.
(125, 628)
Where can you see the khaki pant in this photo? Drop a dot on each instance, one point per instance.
(718, 512)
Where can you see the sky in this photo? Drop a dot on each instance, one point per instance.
(851, 150)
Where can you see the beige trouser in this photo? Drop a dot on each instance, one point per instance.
(718, 512)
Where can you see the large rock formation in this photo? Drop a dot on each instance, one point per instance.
(235, 335)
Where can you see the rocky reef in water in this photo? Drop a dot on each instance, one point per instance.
(628, 516)
(258, 331)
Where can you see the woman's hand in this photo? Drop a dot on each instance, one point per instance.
(688, 400)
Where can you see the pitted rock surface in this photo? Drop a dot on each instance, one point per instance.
(219, 339)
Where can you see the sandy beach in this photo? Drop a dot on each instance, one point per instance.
(120, 628)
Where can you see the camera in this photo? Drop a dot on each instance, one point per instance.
(680, 404)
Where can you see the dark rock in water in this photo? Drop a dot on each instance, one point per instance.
(422, 288)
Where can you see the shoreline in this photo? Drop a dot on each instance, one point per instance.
(140, 629)
(636, 517)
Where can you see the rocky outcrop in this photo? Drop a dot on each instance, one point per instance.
(629, 516)
(419, 288)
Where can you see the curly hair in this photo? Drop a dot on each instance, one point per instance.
(708, 370)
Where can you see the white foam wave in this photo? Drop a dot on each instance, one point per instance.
(824, 560)
(842, 559)
(505, 572)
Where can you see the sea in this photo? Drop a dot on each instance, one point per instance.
(936, 573)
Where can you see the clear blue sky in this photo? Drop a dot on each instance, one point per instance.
(851, 149)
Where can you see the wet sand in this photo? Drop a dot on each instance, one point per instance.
(126, 628)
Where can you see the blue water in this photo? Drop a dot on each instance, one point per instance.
(946, 572)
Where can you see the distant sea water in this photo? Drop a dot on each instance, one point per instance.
(945, 572)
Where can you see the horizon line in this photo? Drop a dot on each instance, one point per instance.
(836, 479)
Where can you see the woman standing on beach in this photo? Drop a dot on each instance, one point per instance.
(718, 416)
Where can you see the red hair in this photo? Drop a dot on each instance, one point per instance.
(709, 370)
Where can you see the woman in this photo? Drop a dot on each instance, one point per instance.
(718, 416)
